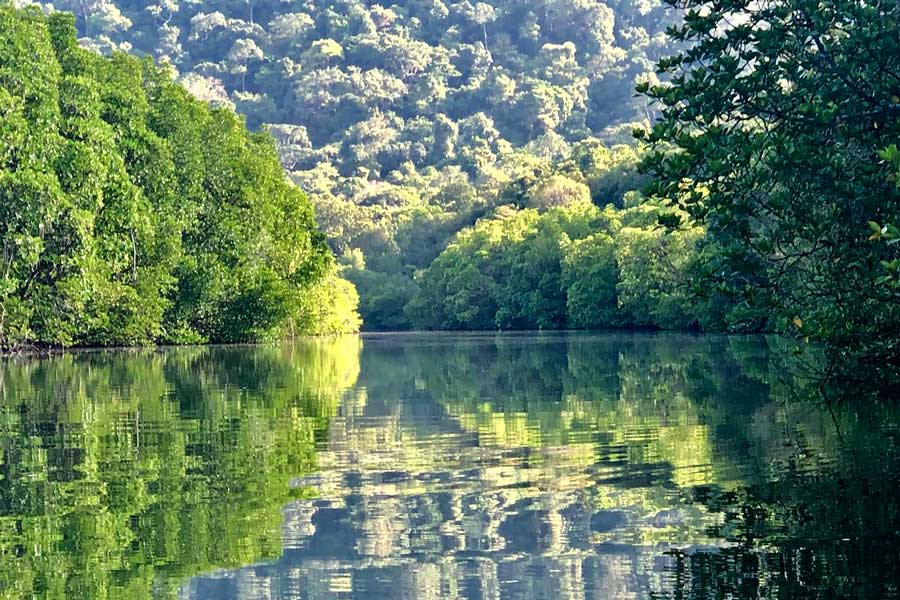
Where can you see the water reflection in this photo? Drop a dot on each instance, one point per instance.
(586, 467)
(446, 466)
(122, 474)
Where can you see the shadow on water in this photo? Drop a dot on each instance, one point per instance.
(447, 466)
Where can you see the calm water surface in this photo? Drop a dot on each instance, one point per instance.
(445, 466)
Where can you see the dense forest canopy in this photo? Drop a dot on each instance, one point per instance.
(472, 165)
(132, 213)
(575, 266)
(405, 122)
(531, 68)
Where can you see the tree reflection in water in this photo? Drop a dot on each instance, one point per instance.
(447, 466)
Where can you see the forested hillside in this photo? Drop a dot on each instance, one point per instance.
(472, 165)
(132, 213)
(407, 121)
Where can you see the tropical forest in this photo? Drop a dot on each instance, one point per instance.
(488, 300)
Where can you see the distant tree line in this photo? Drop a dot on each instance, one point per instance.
(554, 260)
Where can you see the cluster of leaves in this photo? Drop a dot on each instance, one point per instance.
(889, 232)
(132, 213)
(571, 267)
(404, 121)
(389, 274)
(773, 130)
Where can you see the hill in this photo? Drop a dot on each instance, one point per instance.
(406, 121)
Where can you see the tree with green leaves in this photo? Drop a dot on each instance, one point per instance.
(132, 213)
(572, 267)
(773, 128)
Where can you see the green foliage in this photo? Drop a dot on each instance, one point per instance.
(558, 190)
(590, 276)
(653, 266)
(329, 307)
(889, 233)
(131, 213)
(576, 267)
(407, 121)
(773, 134)
(383, 298)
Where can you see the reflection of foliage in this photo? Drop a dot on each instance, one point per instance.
(661, 401)
(817, 516)
(124, 473)
(665, 465)
(120, 475)
(564, 391)
(672, 435)
(822, 520)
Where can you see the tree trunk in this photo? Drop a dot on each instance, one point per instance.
(134, 275)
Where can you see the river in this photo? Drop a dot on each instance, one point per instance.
(433, 466)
